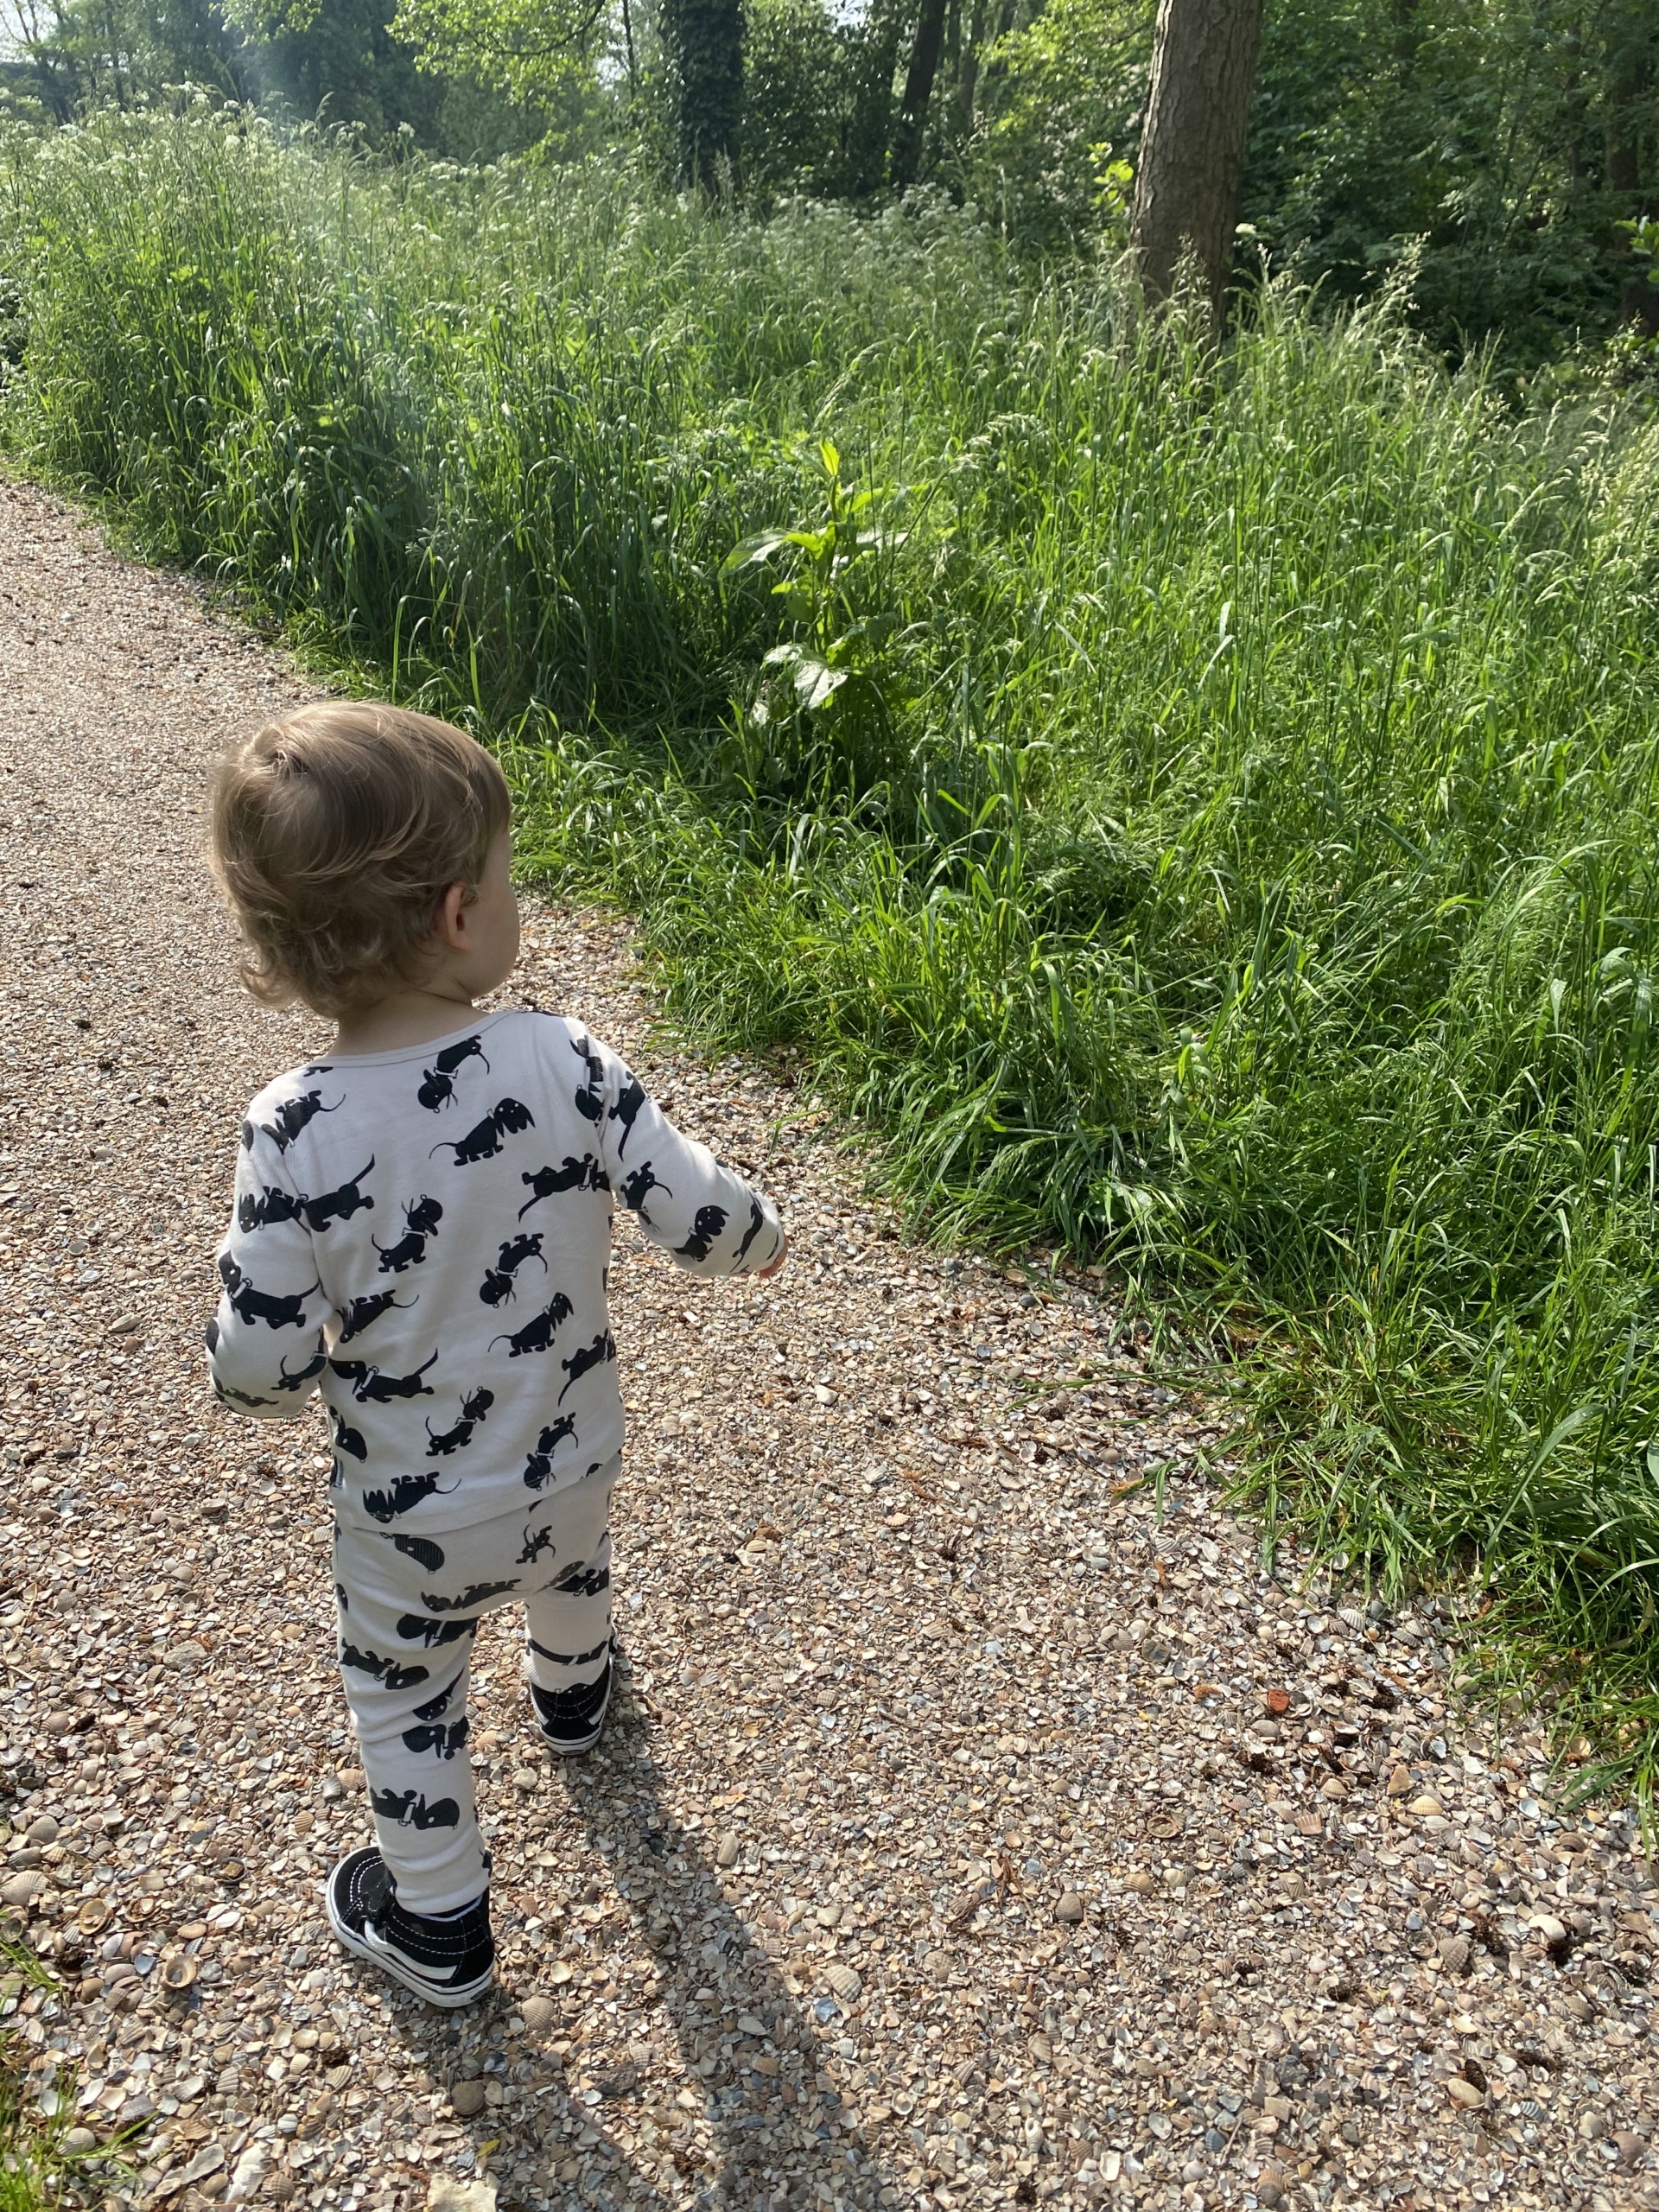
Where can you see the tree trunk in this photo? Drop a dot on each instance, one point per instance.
(705, 39)
(1632, 84)
(1191, 165)
(906, 156)
(627, 41)
(967, 81)
(1639, 302)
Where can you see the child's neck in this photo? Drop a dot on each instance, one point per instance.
(412, 1017)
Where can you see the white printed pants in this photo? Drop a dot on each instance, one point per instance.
(410, 1605)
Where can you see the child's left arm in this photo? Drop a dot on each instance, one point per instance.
(708, 1220)
(266, 1343)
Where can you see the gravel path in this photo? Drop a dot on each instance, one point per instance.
(966, 1833)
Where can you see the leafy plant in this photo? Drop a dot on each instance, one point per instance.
(833, 687)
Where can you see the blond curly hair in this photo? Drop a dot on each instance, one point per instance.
(336, 831)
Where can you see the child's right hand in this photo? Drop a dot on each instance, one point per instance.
(783, 1254)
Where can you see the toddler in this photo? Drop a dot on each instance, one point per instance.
(422, 1231)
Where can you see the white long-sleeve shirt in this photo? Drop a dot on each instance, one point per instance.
(424, 1236)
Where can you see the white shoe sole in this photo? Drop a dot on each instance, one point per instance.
(561, 1748)
(389, 1962)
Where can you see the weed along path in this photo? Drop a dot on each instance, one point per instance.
(968, 1832)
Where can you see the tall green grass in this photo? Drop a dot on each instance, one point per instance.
(1199, 808)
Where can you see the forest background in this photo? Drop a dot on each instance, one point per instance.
(1503, 148)
(1189, 790)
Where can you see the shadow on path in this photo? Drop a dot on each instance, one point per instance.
(768, 2129)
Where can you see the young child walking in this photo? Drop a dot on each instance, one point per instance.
(422, 1231)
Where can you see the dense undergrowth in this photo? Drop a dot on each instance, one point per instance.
(1201, 809)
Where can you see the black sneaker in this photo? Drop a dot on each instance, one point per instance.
(571, 1720)
(448, 1960)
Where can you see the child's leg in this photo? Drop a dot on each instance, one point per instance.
(406, 1670)
(567, 1619)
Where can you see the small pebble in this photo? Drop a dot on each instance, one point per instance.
(726, 1851)
(467, 2099)
(1070, 1907)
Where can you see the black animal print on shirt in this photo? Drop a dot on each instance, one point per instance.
(430, 1284)
(710, 1223)
(629, 1100)
(583, 1174)
(472, 1410)
(483, 1141)
(757, 1223)
(270, 1209)
(536, 1335)
(372, 1387)
(587, 1356)
(538, 1468)
(234, 1397)
(421, 1221)
(516, 1252)
(405, 1494)
(252, 1305)
(301, 1376)
(637, 1187)
(438, 1089)
(338, 1205)
(363, 1312)
(348, 1439)
(293, 1114)
(590, 1100)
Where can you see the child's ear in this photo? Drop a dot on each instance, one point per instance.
(448, 923)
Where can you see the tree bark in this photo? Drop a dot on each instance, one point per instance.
(1192, 166)
(968, 81)
(905, 157)
(1639, 302)
(705, 39)
(1631, 85)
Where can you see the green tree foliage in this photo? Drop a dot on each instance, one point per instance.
(528, 49)
(1060, 100)
(343, 63)
(1512, 140)
(83, 54)
(818, 97)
